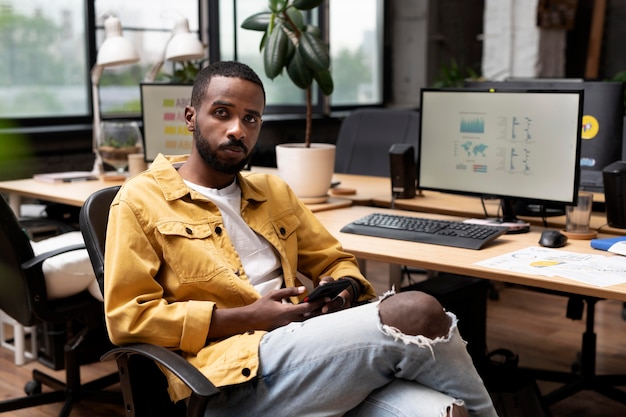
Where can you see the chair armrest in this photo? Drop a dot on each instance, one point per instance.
(42, 257)
(187, 373)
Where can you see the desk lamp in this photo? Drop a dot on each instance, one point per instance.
(115, 50)
(182, 46)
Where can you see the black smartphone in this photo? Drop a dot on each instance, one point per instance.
(330, 289)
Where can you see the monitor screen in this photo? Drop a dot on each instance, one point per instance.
(603, 119)
(516, 145)
(163, 113)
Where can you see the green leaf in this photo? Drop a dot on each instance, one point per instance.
(277, 6)
(325, 82)
(257, 21)
(299, 73)
(296, 17)
(314, 52)
(275, 52)
(307, 4)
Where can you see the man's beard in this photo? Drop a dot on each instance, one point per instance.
(210, 156)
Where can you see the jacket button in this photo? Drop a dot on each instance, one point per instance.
(188, 230)
(218, 230)
(245, 372)
(282, 231)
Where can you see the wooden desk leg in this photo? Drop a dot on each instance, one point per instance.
(15, 201)
(395, 276)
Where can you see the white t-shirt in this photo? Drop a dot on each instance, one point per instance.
(259, 260)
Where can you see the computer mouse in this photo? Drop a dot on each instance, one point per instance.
(552, 239)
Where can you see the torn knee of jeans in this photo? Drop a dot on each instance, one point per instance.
(419, 340)
(447, 411)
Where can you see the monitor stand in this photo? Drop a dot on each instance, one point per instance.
(509, 218)
(538, 210)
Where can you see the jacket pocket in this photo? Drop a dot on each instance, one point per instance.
(286, 225)
(190, 250)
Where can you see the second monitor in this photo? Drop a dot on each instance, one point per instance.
(603, 117)
(516, 146)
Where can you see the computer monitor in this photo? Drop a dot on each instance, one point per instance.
(519, 146)
(163, 113)
(603, 119)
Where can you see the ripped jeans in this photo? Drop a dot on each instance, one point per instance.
(348, 363)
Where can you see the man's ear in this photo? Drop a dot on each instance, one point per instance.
(190, 118)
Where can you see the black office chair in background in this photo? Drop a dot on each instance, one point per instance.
(24, 297)
(366, 135)
(143, 384)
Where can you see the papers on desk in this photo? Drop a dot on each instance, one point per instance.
(70, 176)
(618, 247)
(598, 270)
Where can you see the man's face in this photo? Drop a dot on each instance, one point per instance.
(227, 125)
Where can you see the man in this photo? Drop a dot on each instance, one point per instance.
(209, 262)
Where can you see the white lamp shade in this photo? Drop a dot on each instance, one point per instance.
(183, 46)
(115, 50)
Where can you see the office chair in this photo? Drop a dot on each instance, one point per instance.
(366, 135)
(144, 386)
(25, 297)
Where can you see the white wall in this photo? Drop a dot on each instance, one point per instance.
(409, 35)
(513, 45)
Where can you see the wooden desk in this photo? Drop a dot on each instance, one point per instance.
(460, 261)
(75, 193)
(70, 193)
(367, 188)
(466, 206)
(376, 191)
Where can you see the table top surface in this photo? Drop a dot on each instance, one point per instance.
(372, 190)
(458, 260)
(76, 192)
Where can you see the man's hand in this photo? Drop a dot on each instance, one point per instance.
(270, 312)
(266, 313)
(342, 301)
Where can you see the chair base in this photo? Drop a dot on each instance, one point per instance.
(91, 391)
(69, 392)
(586, 378)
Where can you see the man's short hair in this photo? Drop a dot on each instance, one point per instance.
(221, 69)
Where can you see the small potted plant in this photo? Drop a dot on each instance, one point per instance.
(116, 141)
(290, 44)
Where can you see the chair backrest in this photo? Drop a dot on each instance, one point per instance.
(17, 291)
(93, 219)
(144, 386)
(366, 135)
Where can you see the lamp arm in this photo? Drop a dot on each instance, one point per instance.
(96, 73)
(154, 70)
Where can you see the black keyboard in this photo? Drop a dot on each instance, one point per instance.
(416, 229)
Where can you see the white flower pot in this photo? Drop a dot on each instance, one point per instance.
(308, 171)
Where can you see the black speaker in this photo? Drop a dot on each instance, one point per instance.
(403, 170)
(614, 177)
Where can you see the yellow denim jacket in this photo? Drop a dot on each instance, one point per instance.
(169, 262)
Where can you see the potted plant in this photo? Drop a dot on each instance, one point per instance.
(290, 44)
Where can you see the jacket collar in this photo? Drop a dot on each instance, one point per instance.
(164, 170)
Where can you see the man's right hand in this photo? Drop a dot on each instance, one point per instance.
(266, 313)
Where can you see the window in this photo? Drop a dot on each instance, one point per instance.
(43, 70)
(356, 47)
(148, 24)
(47, 48)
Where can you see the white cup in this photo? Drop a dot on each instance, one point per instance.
(136, 164)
